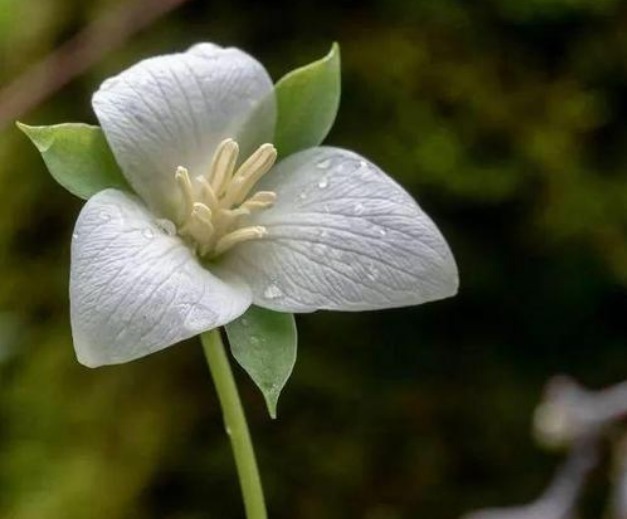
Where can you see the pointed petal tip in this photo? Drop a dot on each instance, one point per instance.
(84, 356)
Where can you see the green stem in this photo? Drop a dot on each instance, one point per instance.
(236, 426)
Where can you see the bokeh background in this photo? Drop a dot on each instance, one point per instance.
(507, 119)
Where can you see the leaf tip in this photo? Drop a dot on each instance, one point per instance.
(37, 135)
(272, 400)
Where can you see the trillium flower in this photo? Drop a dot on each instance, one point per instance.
(216, 224)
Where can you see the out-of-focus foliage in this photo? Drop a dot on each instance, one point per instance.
(506, 118)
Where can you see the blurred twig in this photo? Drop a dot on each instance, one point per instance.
(559, 500)
(571, 416)
(618, 499)
(109, 31)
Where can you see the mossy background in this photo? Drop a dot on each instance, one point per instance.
(507, 119)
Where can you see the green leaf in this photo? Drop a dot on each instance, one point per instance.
(307, 102)
(78, 157)
(264, 343)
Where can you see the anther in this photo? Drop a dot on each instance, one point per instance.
(185, 185)
(223, 165)
(202, 212)
(260, 200)
(199, 224)
(240, 235)
(208, 194)
(249, 173)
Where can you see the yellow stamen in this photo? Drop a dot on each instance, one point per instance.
(249, 173)
(185, 184)
(223, 165)
(213, 204)
(208, 194)
(260, 200)
(240, 235)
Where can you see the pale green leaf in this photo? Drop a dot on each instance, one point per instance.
(78, 157)
(307, 100)
(264, 343)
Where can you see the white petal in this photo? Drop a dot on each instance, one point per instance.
(134, 289)
(342, 236)
(173, 110)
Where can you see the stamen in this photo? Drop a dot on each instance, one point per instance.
(212, 204)
(199, 224)
(223, 165)
(185, 185)
(208, 194)
(232, 214)
(260, 200)
(249, 173)
(240, 235)
(202, 212)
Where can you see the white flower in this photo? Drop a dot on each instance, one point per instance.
(216, 226)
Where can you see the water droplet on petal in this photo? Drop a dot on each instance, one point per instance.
(324, 164)
(75, 236)
(382, 231)
(323, 182)
(272, 292)
(148, 233)
(166, 226)
(104, 216)
(302, 196)
(359, 208)
(372, 272)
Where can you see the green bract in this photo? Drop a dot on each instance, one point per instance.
(264, 343)
(307, 102)
(78, 157)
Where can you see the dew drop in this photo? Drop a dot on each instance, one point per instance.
(254, 340)
(104, 216)
(148, 233)
(324, 164)
(75, 236)
(228, 431)
(302, 196)
(323, 182)
(244, 322)
(359, 208)
(166, 226)
(372, 272)
(382, 231)
(272, 292)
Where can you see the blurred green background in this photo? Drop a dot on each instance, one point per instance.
(507, 119)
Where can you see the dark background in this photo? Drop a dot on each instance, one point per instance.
(505, 118)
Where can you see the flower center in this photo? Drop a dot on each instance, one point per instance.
(215, 203)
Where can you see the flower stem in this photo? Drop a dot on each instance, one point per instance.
(235, 424)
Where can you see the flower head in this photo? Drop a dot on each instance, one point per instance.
(216, 224)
